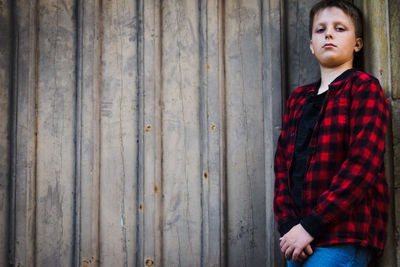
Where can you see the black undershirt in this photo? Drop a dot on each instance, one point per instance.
(311, 110)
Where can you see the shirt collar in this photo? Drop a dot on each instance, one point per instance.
(337, 81)
(343, 76)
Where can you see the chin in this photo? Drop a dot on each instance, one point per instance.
(333, 62)
(331, 65)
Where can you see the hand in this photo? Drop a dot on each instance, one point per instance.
(294, 242)
(305, 254)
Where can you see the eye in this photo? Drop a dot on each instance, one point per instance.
(320, 30)
(340, 28)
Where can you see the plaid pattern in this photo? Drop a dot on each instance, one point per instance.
(345, 194)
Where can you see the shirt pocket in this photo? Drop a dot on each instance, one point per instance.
(337, 112)
(343, 106)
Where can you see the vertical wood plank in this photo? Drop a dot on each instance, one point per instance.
(118, 134)
(88, 132)
(396, 167)
(376, 40)
(180, 131)
(5, 85)
(151, 212)
(245, 133)
(212, 132)
(55, 134)
(274, 92)
(302, 67)
(23, 171)
(145, 256)
(394, 24)
(394, 31)
(389, 254)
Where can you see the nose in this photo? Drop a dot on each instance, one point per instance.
(329, 33)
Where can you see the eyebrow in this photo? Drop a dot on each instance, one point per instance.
(334, 22)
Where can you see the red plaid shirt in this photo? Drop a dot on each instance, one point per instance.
(345, 194)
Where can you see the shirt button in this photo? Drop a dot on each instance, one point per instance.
(293, 134)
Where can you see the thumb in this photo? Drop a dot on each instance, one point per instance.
(309, 250)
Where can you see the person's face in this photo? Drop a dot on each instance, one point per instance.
(333, 39)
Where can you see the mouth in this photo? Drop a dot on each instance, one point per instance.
(328, 45)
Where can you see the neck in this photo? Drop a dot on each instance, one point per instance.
(330, 74)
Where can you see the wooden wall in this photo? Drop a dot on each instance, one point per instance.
(142, 133)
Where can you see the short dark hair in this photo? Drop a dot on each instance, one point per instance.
(348, 8)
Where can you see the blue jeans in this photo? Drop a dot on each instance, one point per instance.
(337, 256)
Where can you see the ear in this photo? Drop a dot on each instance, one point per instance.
(359, 44)
(311, 47)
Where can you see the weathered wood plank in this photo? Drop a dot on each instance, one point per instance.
(181, 134)
(24, 164)
(302, 67)
(88, 132)
(274, 97)
(151, 186)
(55, 134)
(5, 85)
(376, 40)
(245, 133)
(118, 134)
(212, 128)
(394, 24)
(389, 254)
(396, 167)
(394, 13)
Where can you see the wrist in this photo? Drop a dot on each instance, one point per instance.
(309, 237)
(313, 225)
(286, 227)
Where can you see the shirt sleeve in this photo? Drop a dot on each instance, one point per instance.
(284, 207)
(368, 116)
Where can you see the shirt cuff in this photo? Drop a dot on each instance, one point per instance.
(284, 228)
(313, 225)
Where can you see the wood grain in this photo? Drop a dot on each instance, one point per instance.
(143, 133)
